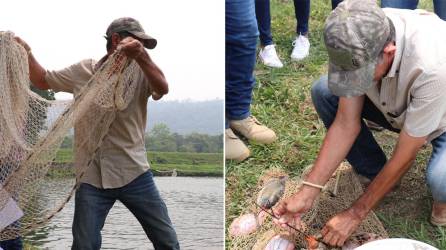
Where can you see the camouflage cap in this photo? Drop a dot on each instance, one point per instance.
(355, 34)
(132, 26)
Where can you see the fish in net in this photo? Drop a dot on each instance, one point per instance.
(33, 128)
(339, 193)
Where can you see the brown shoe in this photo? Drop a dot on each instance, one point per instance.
(235, 149)
(253, 130)
(438, 216)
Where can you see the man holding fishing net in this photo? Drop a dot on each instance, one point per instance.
(119, 170)
(387, 66)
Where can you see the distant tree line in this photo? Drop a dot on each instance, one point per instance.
(162, 140)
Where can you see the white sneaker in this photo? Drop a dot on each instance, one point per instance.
(301, 48)
(269, 56)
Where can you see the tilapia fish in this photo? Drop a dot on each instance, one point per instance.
(246, 224)
(271, 192)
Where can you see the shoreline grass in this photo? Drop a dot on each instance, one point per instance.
(161, 163)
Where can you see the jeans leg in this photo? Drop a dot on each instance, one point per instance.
(436, 169)
(13, 244)
(366, 156)
(399, 4)
(334, 3)
(263, 15)
(440, 8)
(241, 42)
(302, 12)
(90, 210)
(141, 197)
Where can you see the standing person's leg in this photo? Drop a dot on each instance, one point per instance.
(366, 156)
(440, 8)
(91, 207)
(301, 43)
(268, 53)
(13, 244)
(334, 3)
(263, 16)
(142, 198)
(399, 4)
(436, 179)
(241, 39)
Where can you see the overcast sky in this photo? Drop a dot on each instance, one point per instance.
(190, 37)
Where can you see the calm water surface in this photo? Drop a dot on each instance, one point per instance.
(195, 208)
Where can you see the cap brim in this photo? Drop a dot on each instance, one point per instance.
(352, 82)
(148, 41)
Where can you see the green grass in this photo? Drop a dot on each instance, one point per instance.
(282, 101)
(65, 155)
(184, 162)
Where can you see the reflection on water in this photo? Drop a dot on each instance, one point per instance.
(195, 208)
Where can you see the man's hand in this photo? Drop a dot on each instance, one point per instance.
(131, 47)
(23, 43)
(340, 227)
(290, 210)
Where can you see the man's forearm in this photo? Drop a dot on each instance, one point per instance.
(37, 73)
(337, 143)
(156, 77)
(403, 157)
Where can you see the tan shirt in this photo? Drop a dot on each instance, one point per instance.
(413, 94)
(122, 155)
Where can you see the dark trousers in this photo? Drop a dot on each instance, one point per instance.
(241, 41)
(140, 196)
(302, 13)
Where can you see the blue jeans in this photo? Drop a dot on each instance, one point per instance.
(14, 244)
(140, 196)
(366, 156)
(241, 41)
(263, 15)
(302, 13)
(439, 6)
(334, 3)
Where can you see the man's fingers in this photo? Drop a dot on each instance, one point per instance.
(340, 242)
(280, 209)
(324, 231)
(328, 238)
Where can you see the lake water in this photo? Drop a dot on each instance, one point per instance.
(195, 207)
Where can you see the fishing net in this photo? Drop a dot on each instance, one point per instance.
(33, 128)
(339, 193)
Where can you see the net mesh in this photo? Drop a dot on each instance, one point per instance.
(348, 190)
(33, 128)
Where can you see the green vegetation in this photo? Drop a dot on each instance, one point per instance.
(161, 139)
(186, 163)
(282, 101)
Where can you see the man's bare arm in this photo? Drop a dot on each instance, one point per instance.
(36, 71)
(400, 162)
(134, 49)
(341, 226)
(339, 139)
(337, 143)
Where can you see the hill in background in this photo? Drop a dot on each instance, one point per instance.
(185, 117)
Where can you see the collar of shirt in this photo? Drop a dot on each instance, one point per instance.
(399, 43)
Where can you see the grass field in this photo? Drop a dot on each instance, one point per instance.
(187, 163)
(282, 101)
